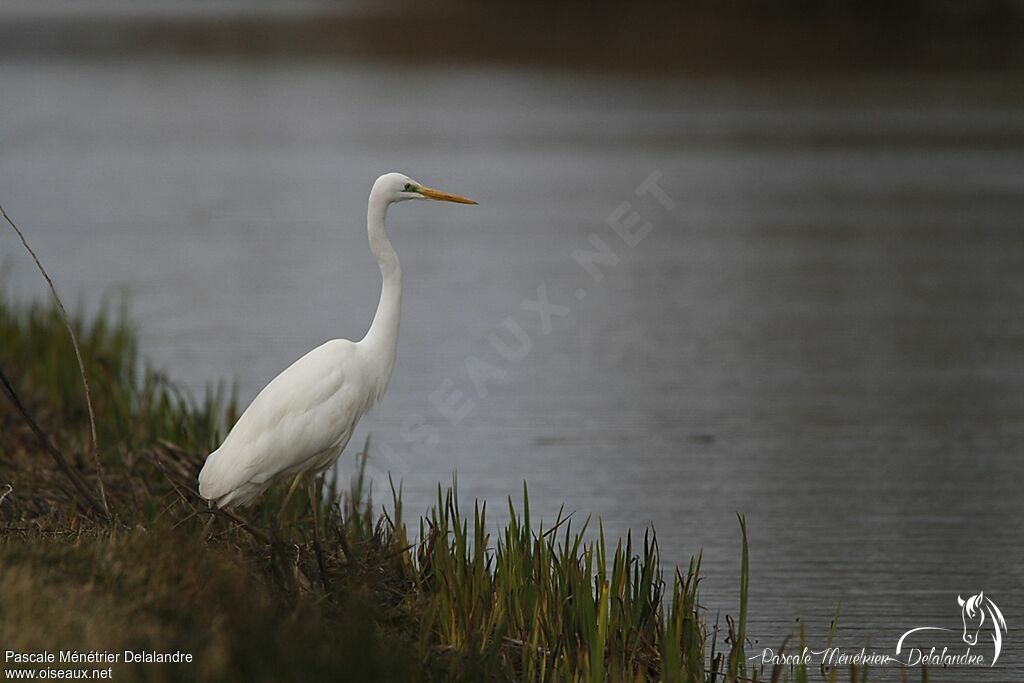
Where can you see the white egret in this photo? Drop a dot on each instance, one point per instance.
(300, 423)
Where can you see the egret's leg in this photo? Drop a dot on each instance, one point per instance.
(314, 507)
(288, 496)
(209, 525)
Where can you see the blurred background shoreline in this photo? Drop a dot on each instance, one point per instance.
(697, 37)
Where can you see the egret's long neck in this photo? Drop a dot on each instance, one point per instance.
(382, 338)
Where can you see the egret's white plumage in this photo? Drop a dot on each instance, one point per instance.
(304, 418)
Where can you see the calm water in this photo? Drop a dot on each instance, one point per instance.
(825, 333)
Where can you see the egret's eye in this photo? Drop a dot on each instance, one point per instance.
(408, 187)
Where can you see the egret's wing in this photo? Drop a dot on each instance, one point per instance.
(309, 409)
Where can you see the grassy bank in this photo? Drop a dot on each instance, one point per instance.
(260, 598)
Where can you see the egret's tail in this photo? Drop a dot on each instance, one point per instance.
(217, 485)
(208, 478)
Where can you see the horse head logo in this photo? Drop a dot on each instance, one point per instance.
(978, 612)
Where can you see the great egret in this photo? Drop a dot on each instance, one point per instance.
(303, 419)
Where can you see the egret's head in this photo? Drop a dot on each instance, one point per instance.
(398, 187)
